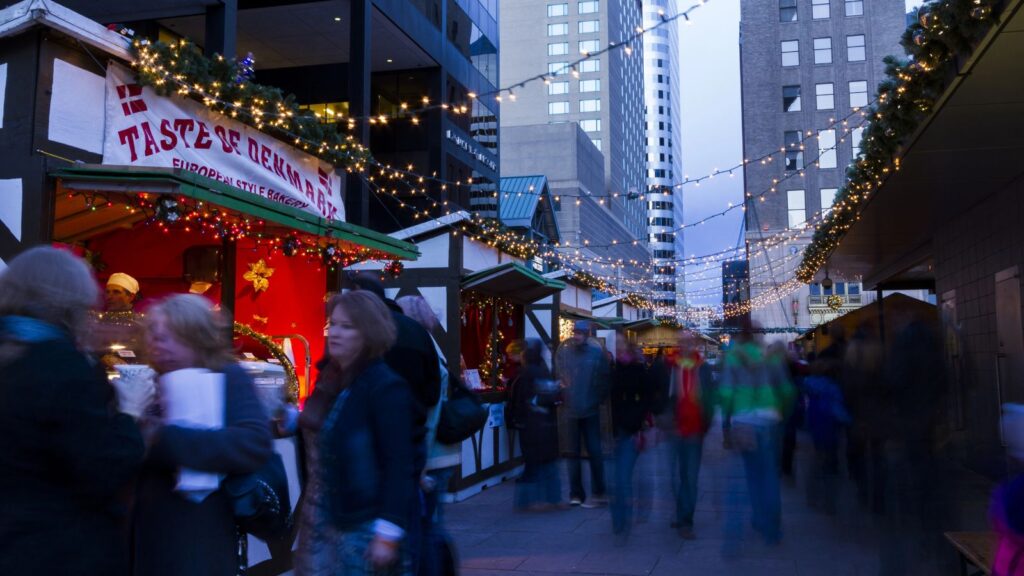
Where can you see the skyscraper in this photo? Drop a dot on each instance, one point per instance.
(664, 159)
(809, 69)
(604, 94)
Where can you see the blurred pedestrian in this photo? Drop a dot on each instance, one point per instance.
(826, 419)
(67, 451)
(534, 402)
(753, 392)
(632, 392)
(442, 459)
(366, 441)
(193, 533)
(583, 369)
(867, 399)
(693, 410)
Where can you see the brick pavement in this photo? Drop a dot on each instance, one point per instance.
(493, 540)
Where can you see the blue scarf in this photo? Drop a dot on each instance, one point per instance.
(30, 330)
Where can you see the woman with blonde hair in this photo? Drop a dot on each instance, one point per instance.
(364, 475)
(179, 532)
(67, 452)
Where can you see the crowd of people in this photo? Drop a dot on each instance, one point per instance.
(98, 480)
(103, 481)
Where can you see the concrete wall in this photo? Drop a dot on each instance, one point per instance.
(575, 171)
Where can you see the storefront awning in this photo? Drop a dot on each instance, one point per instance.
(75, 219)
(512, 281)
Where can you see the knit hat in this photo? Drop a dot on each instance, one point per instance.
(122, 280)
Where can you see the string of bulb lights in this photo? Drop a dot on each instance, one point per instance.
(580, 257)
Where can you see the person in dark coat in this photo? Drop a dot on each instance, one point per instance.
(67, 453)
(534, 401)
(366, 447)
(632, 391)
(414, 358)
(174, 534)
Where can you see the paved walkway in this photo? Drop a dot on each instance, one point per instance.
(494, 540)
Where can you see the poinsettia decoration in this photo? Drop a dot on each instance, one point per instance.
(259, 274)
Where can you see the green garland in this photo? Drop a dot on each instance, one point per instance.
(944, 33)
(291, 378)
(181, 68)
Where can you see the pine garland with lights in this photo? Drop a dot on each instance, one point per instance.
(944, 34)
(224, 85)
(291, 378)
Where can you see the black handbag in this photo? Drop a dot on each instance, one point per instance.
(462, 414)
(260, 501)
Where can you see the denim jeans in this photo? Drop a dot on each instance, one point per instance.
(762, 467)
(686, 461)
(353, 547)
(588, 430)
(626, 454)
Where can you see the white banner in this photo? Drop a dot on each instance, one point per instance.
(145, 129)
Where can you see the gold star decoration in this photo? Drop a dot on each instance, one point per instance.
(259, 274)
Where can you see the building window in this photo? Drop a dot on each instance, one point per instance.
(858, 94)
(791, 53)
(589, 46)
(819, 9)
(558, 10)
(827, 149)
(597, 142)
(791, 98)
(558, 88)
(797, 208)
(787, 10)
(556, 68)
(828, 198)
(590, 105)
(588, 7)
(822, 50)
(854, 7)
(592, 65)
(590, 85)
(593, 125)
(558, 29)
(825, 96)
(589, 26)
(558, 107)
(856, 135)
(855, 48)
(558, 49)
(794, 152)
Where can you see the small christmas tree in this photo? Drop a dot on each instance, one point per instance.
(493, 360)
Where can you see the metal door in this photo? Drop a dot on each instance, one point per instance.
(1010, 340)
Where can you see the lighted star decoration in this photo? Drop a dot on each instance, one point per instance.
(259, 274)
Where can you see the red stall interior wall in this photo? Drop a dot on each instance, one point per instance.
(153, 257)
(293, 303)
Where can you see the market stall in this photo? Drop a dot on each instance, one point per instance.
(164, 193)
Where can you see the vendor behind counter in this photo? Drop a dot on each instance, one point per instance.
(116, 334)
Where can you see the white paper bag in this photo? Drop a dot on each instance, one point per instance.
(194, 398)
